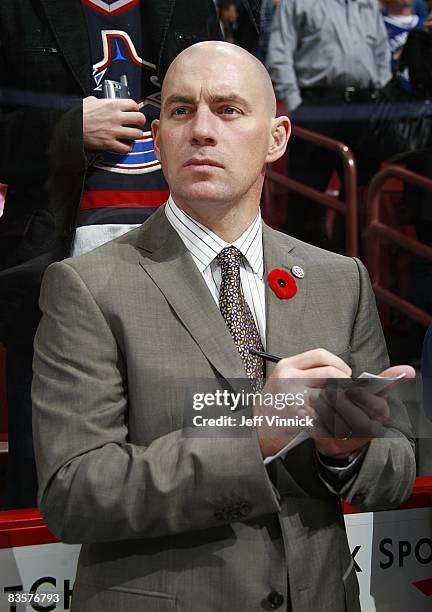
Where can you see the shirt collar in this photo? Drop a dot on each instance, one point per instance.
(205, 245)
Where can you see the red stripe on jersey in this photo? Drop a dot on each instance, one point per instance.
(130, 53)
(123, 199)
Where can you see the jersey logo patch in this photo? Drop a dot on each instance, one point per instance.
(116, 44)
(118, 47)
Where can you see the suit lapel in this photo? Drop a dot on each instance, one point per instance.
(67, 21)
(173, 270)
(285, 333)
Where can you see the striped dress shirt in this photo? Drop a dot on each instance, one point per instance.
(204, 246)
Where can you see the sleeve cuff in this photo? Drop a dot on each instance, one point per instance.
(335, 476)
(300, 437)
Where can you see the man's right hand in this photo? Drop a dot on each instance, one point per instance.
(111, 124)
(312, 369)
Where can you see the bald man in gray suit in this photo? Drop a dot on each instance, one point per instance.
(172, 521)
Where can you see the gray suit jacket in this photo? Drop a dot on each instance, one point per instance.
(170, 522)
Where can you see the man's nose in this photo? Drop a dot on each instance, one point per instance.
(203, 128)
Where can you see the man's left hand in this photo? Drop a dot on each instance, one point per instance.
(356, 411)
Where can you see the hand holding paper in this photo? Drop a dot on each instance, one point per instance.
(357, 414)
(347, 414)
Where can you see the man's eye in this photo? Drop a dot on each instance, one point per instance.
(180, 111)
(230, 110)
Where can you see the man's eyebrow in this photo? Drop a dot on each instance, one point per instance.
(214, 99)
(231, 97)
(180, 99)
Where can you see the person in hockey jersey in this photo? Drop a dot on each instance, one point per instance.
(399, 21)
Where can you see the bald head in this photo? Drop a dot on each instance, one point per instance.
(223, 57)
(216, 132)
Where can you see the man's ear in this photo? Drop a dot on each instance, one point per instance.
(280, 133)
(156, 139)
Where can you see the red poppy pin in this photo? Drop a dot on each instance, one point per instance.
(282, 284)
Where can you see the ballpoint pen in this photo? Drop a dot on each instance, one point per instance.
(265, 355)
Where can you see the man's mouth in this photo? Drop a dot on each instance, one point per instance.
(195, 162)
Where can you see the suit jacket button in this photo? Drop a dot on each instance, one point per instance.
(224, 513)
(275, 599)
(235, 512)
(245, 509)
(220, 514)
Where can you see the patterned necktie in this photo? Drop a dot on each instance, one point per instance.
(238, 317)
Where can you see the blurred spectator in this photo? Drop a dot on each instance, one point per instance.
(413, 134)
(228, 17)
(50, 60)
(401, 130)
(331, 53)
(319, 50)
(399, 20)
(268, 8)
(400, 120)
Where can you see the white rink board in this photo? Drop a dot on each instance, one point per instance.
(395, 550)
(52, 564)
